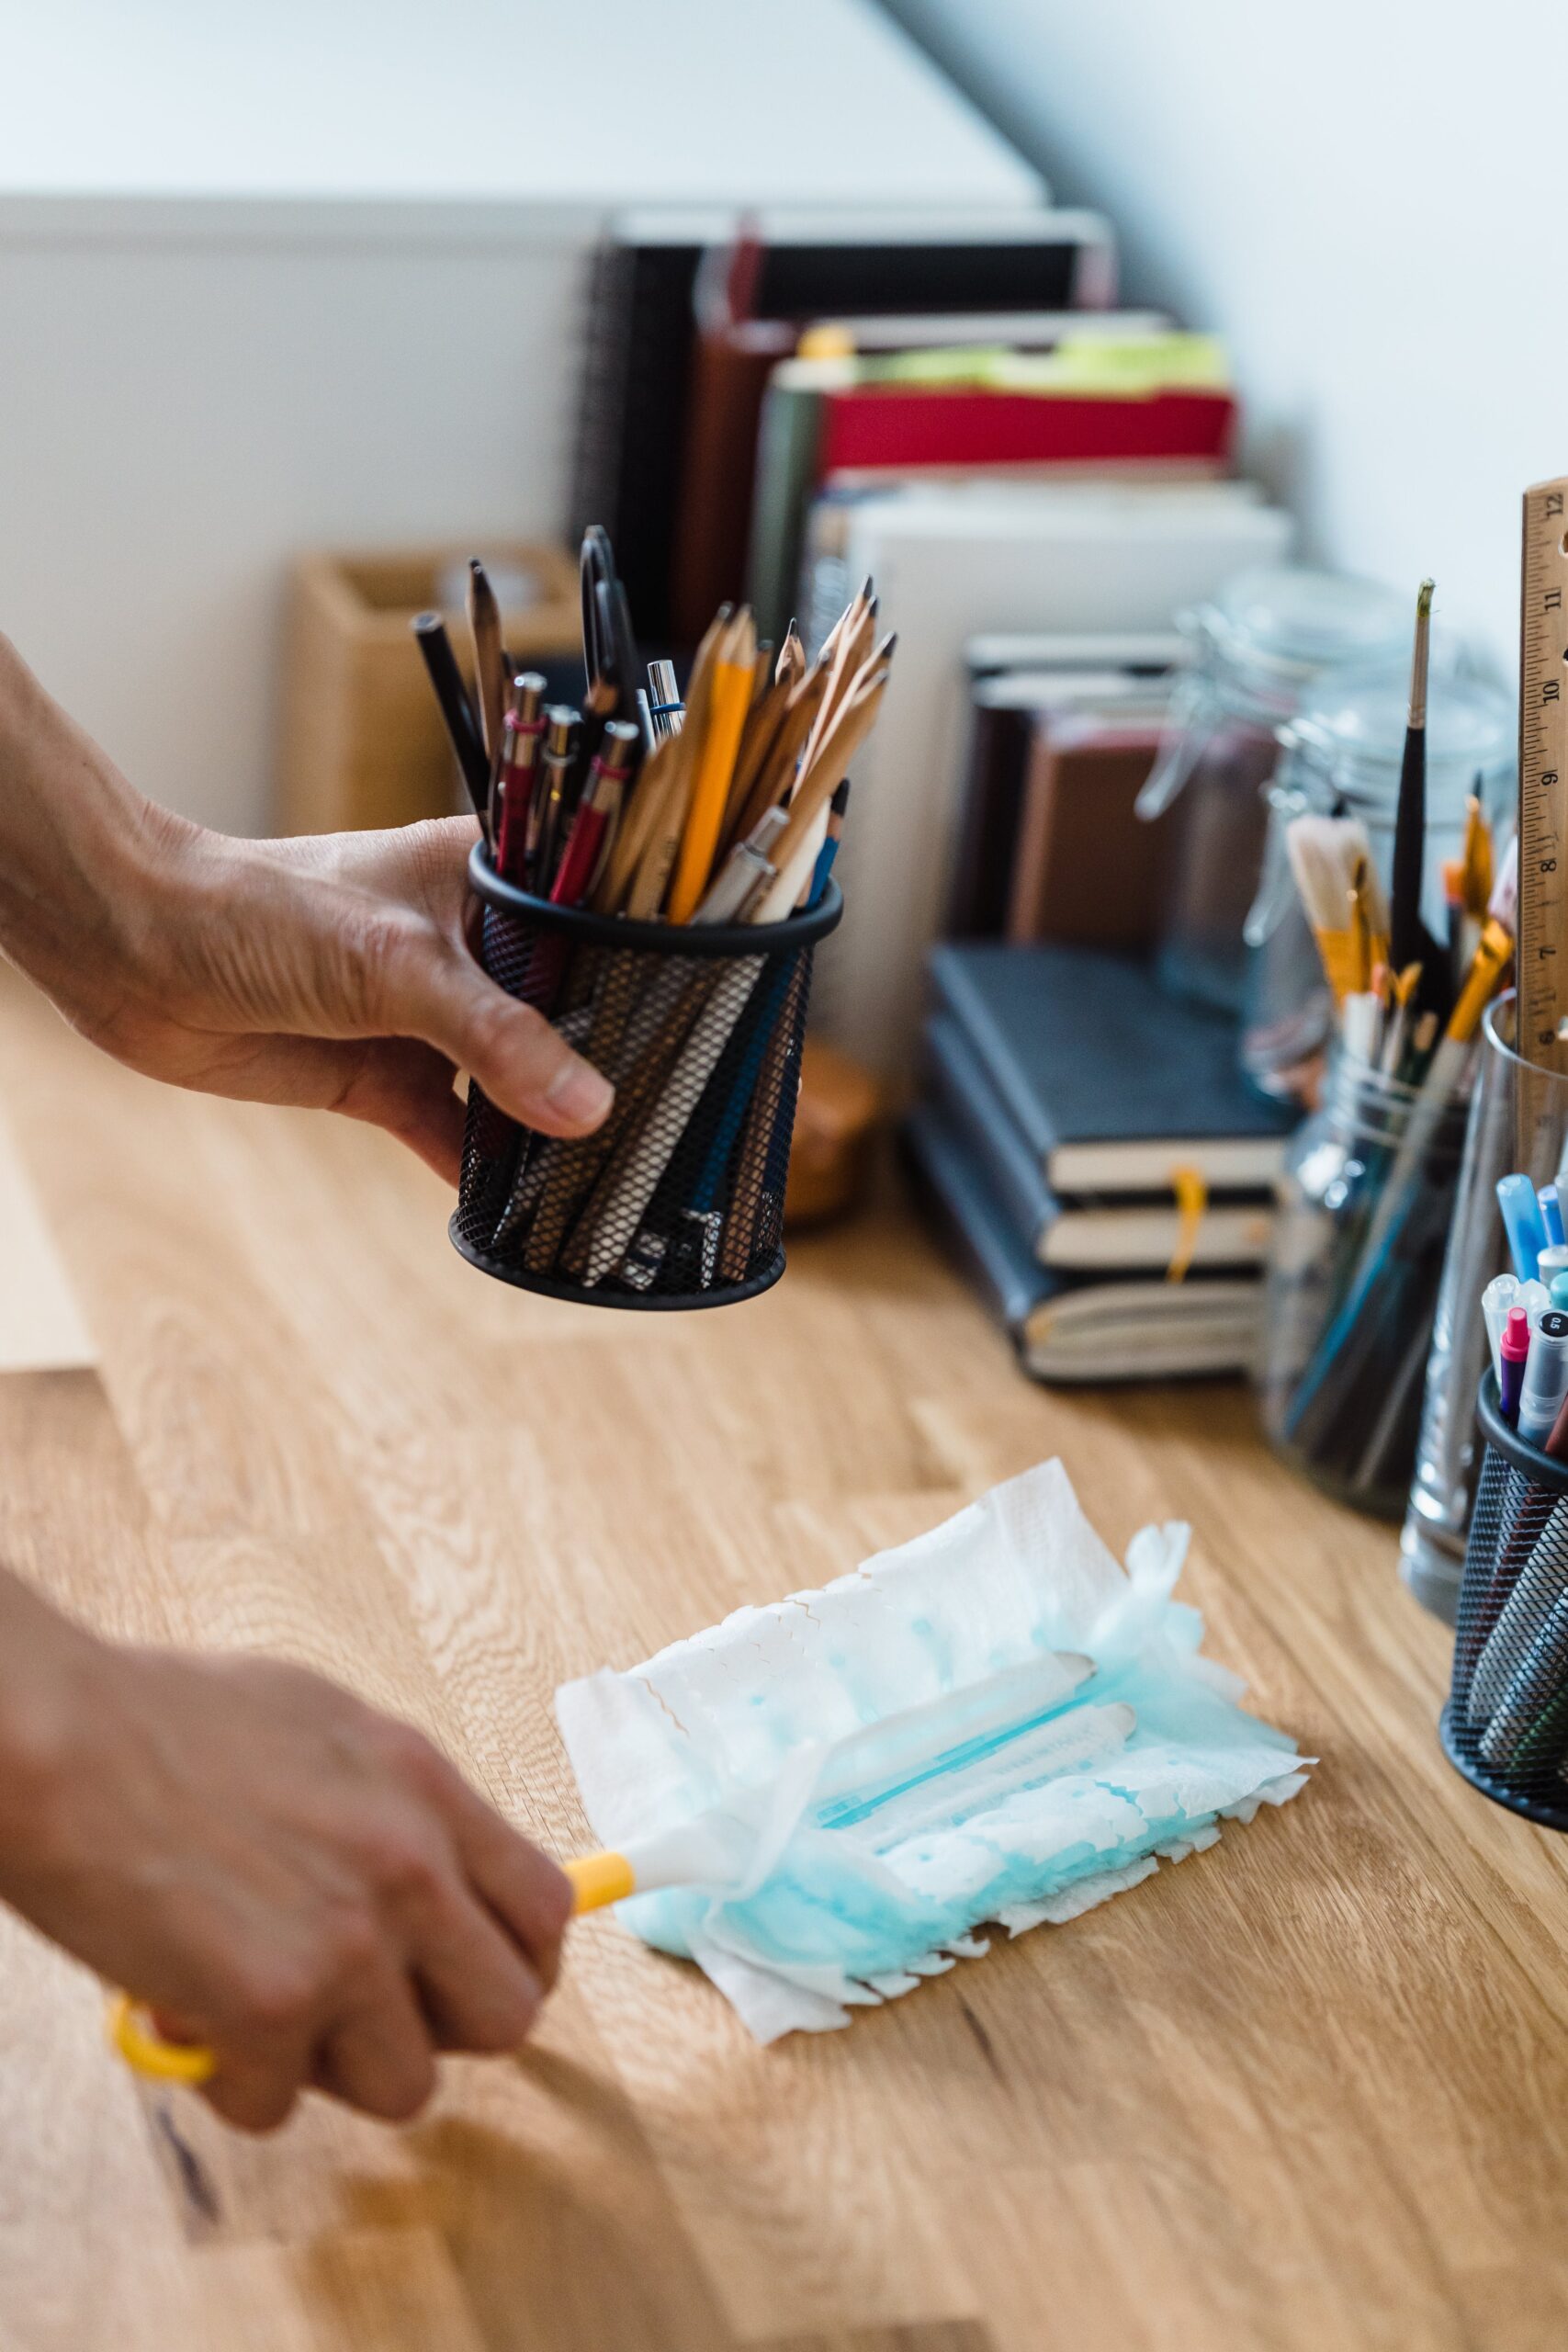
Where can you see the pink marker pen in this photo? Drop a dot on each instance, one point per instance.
(1514, 1349)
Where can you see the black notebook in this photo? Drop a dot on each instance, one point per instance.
(1112, 1084)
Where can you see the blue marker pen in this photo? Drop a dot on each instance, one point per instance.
(1552, 1215)
(1523, 1223)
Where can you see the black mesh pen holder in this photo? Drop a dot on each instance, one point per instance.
(1505, 1724)
(678, 1200)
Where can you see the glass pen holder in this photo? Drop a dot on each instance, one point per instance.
(1355, 1258)
(1505, 1724)
(677, 1201)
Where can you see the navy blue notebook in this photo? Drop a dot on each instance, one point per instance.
(1111, 1083)
(1072, 1327)
(1086, 1238)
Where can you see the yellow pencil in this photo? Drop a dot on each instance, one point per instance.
(732, 701)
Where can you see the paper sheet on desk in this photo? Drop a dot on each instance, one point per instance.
(856, 1902)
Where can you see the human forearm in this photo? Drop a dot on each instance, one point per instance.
(332, 972)
(81, 851)
(46, 1661)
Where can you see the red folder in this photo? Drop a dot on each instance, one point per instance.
(898, 428)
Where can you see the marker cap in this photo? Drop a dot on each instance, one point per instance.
(1546, 1376)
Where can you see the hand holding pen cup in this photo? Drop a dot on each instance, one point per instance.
(701, 820)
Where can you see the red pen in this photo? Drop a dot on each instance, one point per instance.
(522, 730)
(606, 781)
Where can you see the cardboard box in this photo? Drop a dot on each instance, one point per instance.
(361, 741)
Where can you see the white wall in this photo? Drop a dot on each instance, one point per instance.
(595, 102)
(179, 417)
(309, 274)
(1363, 196)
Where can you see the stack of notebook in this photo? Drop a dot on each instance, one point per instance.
(688, 313)
(1071, 1120)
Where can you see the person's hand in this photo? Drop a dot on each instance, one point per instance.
(330, 971)
(275, 1870)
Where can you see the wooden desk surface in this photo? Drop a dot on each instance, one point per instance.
(1310, 2089)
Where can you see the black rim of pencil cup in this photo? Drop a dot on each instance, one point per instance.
(1505, 1724)
(678, 1200)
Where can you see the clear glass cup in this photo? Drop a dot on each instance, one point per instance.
(1258, 648)
(1355, 1263)
(1442, 1491)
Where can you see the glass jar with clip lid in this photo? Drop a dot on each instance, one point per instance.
(1340, 756)
(1259, 648)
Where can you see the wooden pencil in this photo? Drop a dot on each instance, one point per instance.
(849, 657)
(790, 667)
(758, 738)
(776, 766)
(826, 771)
(731, 698)
(637, 828)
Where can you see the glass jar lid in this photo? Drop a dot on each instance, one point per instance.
(1295, 622)
(1353, 726)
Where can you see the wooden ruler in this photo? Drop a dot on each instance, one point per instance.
(1541, 962)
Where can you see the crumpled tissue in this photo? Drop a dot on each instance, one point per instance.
(855, 1898)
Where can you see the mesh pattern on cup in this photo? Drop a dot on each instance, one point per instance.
(1505, 1725)
(679, 1198)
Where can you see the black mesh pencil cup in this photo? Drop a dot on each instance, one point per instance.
(678, 1200)
(1505, 1725)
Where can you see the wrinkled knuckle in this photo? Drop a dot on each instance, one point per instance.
(508, 2024)
(414, 1759)
(403, 1868)
(275, 1996)
(381, 946)
(438, 849)
(399, 2098)
(352, 1947)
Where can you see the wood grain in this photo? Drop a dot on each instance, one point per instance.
(1308, 2089)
